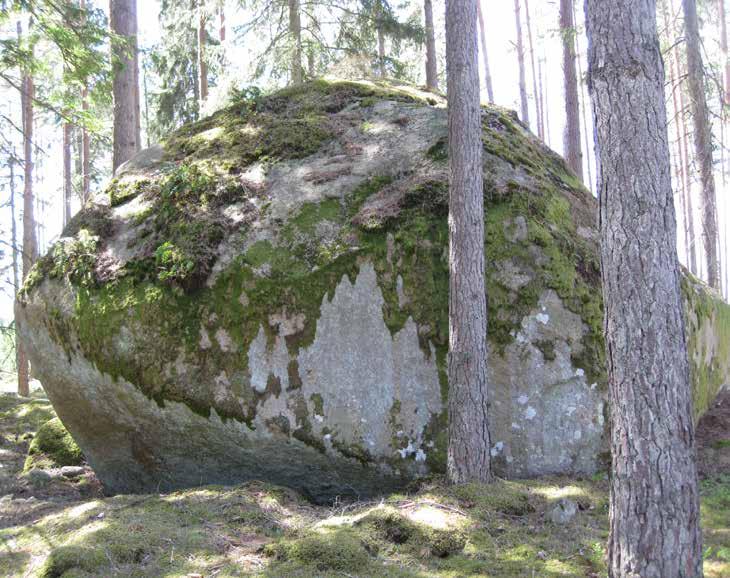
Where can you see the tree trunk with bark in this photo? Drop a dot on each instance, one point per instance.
(222, 26)
(654, 519)
(469, 444)
(432, 77)
(123, 22)
(14, 248)
(675, 88)
(524, 107)
(702, 140)
(538, 109)
(295, 30)
(30, 244)
(67, 184)
(571, 136)
(381, 53)
(485, 55)
(85, 140)
(202, 64)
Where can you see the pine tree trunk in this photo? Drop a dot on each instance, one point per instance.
(680, 163)
(544, 106)
(654, 520)
(30, 245)
(723, 47)
(14, 247)
(524, 108)
(538, 109)
(67, 187)
(123, 21)
(381, 53)
(485, 55)
(295, 30)
(469, 445)
(202, 65)
(432, 77)
(222, 27)
(702, 140)
(571, 137)
(85, 141)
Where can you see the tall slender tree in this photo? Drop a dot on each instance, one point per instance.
(67, 177)
(702, 140)
(123, 21)
(535, 90)
(30, 243)
(295, 30)
(469, 444)
(654, 517)
(202, 62)
(485, 54)
(571, 136)
(524, 107)
(432, 77)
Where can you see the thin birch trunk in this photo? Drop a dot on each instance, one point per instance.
(202, 63)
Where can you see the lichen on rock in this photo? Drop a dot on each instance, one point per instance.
(265, 295)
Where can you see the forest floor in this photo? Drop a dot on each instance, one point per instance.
(65, 527)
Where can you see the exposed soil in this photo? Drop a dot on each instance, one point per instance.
(713, 438)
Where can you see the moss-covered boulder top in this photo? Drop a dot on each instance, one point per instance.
(264, 295)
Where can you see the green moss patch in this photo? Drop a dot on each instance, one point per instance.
(53, 446)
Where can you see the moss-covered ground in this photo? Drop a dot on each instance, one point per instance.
(259, 530)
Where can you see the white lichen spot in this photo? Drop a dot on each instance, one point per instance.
(515, 425)
(224, 340)
(204, 342)
(327, 437)
(407, 451)
(530, 412)
(594, 385)
(420, 455)
(542, 318)
(579, 372)
(570, 410)
(577, 434)
(523, 399)
(399, 433)
(430, 444)
(318, 418)
(243, 299)
(497, 449)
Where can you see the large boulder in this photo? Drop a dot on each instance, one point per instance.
(265, 295)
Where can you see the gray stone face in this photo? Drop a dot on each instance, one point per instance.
(312, 353)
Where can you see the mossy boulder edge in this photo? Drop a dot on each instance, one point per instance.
(265, 296)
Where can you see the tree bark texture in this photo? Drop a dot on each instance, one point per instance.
(30, 244)
(202, 64)
(85, 141)
(485, 55)
(535, 91)
(571, 136)
(295, 30)
(432, 77)
(702, 140)
(123, 21)
(524, 107)
(67, 186)
(654, 519)
(469, 445)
